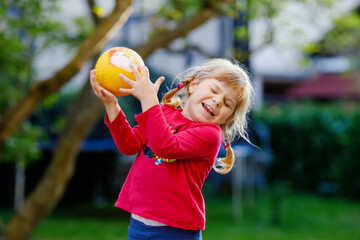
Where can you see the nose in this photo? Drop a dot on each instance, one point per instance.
(217, 100)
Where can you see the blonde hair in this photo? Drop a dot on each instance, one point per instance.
(237, 77)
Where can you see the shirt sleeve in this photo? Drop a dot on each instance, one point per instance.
(201, 141)
(128, 140)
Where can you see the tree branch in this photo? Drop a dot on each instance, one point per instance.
(163, 39)
(95, 17)
(192, 48)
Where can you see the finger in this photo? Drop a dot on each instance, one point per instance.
(96, 93)
(146, 73)
(93, 81)
(105, 92)
(159, 81)
(130, 82)
(136, 72)
(126, 90)
(98, 90)
(96, 87)
(94, 84)
(92, 73)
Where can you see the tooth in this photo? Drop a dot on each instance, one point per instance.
(211, 111)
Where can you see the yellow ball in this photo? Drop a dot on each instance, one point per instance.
(113, 62)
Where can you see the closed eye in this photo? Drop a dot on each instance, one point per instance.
(228, 104)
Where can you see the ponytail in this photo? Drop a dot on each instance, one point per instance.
(224, 165)
(170, 99)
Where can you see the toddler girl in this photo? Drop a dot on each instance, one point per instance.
(177, 143)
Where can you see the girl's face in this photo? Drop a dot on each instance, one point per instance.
(210, 101)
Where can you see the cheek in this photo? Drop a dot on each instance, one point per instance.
(228, 113)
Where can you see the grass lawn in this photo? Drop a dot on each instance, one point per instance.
(303, 218)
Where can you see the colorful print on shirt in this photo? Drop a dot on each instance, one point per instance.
(149, 153)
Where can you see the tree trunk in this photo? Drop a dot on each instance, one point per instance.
(163, 39)
(43, 199)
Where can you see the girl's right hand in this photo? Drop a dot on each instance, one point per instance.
(110, 101)
(104, 95)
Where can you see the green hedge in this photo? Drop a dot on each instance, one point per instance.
(316, 147)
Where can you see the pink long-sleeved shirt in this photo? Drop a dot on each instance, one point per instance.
(169, 193)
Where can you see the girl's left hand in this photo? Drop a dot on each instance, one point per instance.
(143, 89)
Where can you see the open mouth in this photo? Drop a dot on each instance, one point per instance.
(208, 109)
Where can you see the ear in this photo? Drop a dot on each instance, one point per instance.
(193, 85)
